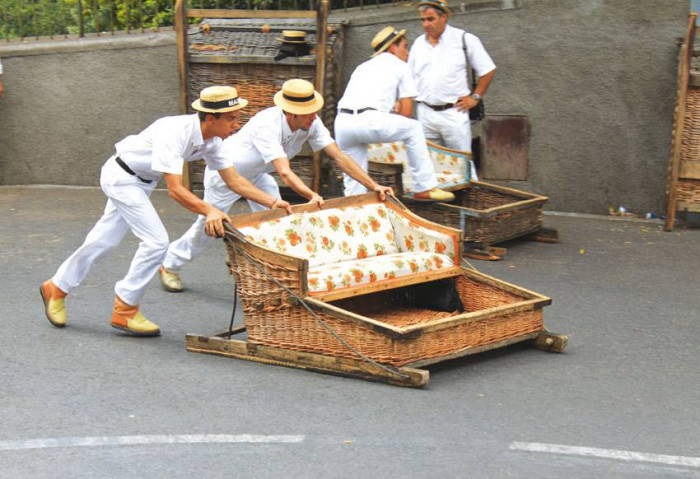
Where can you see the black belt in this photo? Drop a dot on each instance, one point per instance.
(356, 112)
(444, 107)
(126, 168)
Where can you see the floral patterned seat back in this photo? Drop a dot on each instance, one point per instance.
(354, 245)
(342, 234)
(329, 236)
(451, 166)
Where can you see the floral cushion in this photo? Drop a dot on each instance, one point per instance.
(283, 235)
(355, 245)
(349, 233)
(451, 167)
(329, 236)
(449, 180)
(411, 237)
(387, 152)
(347, 274)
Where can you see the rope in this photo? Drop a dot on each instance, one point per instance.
(467, 264)
(231, 232)
(233, 314)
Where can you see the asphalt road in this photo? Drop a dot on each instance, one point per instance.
(88, 402)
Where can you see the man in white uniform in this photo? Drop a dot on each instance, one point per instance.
(364, 115)
(438, 64)
(267, 143)
(128, 178)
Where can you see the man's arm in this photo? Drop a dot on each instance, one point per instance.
(405, 107)
(247, 190)
(215, 218)
(482, 85)
(294, 182)
(349, 166)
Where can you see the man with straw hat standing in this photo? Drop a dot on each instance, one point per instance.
(266, 143)
(438, 62)
(128, 178)
(364, 115)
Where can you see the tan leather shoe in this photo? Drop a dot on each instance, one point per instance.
(170, 280)
(436, 194)
(53, 303)
(129, 319)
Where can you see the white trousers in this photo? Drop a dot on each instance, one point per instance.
(216, 193)
(451, 128)
(354, 132)
(128, 208)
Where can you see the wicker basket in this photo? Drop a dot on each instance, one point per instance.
(231, 54)
(374, 318)
(688, 185)
(487, 213)
(495, 312)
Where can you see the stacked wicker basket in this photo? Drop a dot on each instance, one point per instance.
(239, 53)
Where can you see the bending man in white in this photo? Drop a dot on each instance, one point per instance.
(364, 115)
(128, 179)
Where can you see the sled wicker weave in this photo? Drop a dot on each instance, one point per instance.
(487, 213)
(374, 321)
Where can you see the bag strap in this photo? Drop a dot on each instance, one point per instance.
(471, 77)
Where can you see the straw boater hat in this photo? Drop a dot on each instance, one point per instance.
(293, 44)
(439, 4)
(298, 97)
(219, 99)
(385, 38)
(292, 36)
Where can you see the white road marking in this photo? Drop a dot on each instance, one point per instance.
(606, 454)
(151, 439)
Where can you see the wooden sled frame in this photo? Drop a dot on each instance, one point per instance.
(409, 375)
(488, 252)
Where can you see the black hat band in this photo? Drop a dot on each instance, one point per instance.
(388, 39)
(218, 105)
(298, 99)
(285, 38)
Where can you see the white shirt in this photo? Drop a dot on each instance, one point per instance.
(0, 68)
(440, 71)
(267, 137)
(167, 144)
(378, 83)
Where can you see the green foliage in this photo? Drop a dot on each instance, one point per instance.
(28, 18)
(33, 18)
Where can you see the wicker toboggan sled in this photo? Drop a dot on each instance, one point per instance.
(488, 214)
(326, 290)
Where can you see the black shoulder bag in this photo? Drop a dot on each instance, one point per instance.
(478, 112)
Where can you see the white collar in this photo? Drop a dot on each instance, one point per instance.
(197, 138)
(286, 129)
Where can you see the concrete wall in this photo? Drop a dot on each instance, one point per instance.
(67, 103)
(597, 79)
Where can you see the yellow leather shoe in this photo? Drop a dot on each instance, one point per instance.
(170, 280)
(436, 194)
(53, 303)
(129, 319)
